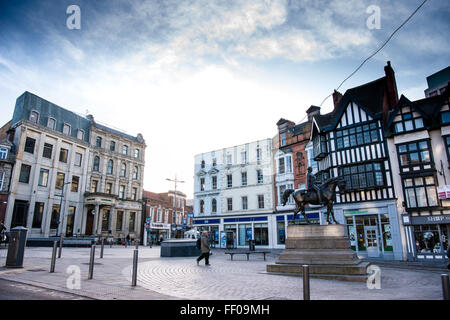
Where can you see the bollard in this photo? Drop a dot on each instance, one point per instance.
(60, 245)
(445, 286)
(137, 243)
(135, 265)
(52, 265)
(305, 282)
(101, 248)
(91, 262)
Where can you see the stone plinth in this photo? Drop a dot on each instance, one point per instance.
(327, 251)
(179, 248)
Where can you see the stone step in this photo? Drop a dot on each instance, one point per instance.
(332, 269)
(318, 255)
(318, 262)
(341, 277)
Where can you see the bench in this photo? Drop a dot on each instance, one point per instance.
(247, 252)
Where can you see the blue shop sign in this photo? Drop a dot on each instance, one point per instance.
(211, 221)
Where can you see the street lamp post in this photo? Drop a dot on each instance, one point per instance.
(175, 200)
(61, 212)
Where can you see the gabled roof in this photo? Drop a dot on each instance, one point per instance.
(301, 128)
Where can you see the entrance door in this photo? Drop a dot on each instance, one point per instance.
(89, 222)
(371, 237)
(20, 214)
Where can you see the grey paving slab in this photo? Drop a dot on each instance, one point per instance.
(162, 278)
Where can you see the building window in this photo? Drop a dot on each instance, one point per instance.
(415, 156)
(94, 186)
(123, 169)
(447, 144)
(51, 123)
(96, 165)
(78, 159)
(105, 220)
(119, 221)
(25, 173)
(43, 178)
(445, 117)
(261, 201)
(202, 165)
(202, 206)
(2, 180)
(125, 149)
(98, 142)
(34, 116)
(67, 129)
(363, 176)
(132, 221)
(29, 145)
(136, 153)
(37, 215)
(112, 146)
(214, 205)
(48, 149)
(202, 184)
(122, 192)
(281, 166)
(108, 189)
(63, 153)
(230, 204)
(244, 157)
(261, 234)
(75, 183)
(135, 172)
(229, 159)
(134, 194)
(283, 139)
(214, 162)
(258, 154)
(229, 180)
(214, 182)
(59, 181)
(80, 134)
(159, 215)
(357, 136)
(420, 192)
(244, 203)
(260, 176)
(110, 168)
(3, 153)
(408, 122)
(244, 178)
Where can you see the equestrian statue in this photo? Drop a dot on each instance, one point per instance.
(316, 194)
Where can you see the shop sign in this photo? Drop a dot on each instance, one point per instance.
(444, 192)
(351, 212)
(442, 219)
(155, 225)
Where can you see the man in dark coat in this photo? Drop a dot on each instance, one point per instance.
(311, 184)
(205, 249)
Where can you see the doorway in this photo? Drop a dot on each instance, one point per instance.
(89, 222)
(371, 240)
(20, 214)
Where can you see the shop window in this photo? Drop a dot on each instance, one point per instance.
(132, 221)
(119, 221)
(281, 232)
(105, 220)
(245, 234)
(428, 239)
(261, 234)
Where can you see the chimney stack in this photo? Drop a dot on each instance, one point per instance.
(337, 96)
(391, 86)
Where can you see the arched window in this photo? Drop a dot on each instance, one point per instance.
(203, 164)
(214, 205)
(135, 172)
(96, 163)
(98, 142)
(110, 166)
(123, 169)
(202, 206)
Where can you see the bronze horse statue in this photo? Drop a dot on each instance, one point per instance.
(302, 197)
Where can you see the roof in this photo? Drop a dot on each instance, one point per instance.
(114, 131)
(301, 128)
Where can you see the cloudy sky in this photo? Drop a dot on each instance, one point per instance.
(199, 75)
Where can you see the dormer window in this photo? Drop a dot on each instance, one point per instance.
(80, 134)
(67, 129)
(34, 116)
(283, 139)
(51, 123)
(409, 122)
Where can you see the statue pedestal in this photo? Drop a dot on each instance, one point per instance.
(327, 251)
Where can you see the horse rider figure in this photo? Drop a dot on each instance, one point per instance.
(312, 185)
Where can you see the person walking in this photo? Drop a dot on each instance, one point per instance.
(205, 249)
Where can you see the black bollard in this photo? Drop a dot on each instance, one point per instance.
(136, 242)
(306, 282)
(52, 264)
(135, 266)
(91, 262)
(445, 286)
(60, 245)
(101, 248)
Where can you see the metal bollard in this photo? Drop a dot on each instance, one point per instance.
(445, 286)
(52, 265)
(91, 262)
(135, 266)
(306, 282)
(101, 248)
(137, 243)
(60, 245)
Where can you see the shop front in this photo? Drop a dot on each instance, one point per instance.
(212, 226)
(427, 236)
(157, 231)
(249, 228)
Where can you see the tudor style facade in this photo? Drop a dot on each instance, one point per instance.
(349, 142)
(418, 134)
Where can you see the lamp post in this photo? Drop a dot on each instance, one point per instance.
(61, 212)
(175, 200)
